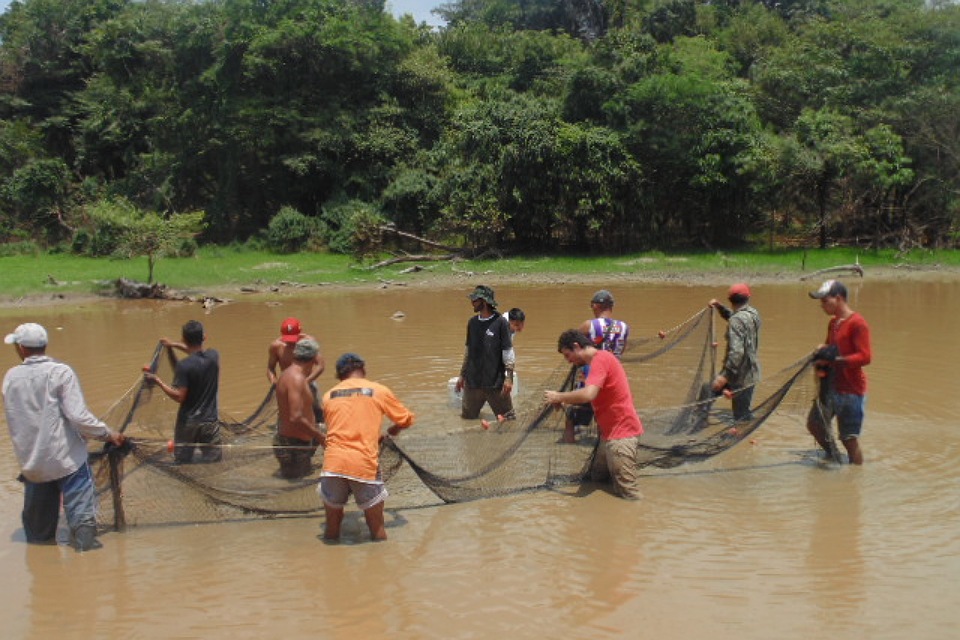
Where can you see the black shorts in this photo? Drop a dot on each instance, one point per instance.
(294, 455)
(580, 414)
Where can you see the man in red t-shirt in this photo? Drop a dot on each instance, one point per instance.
(608, 390)
(842, 358)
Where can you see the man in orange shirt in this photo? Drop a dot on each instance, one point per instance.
(354, 411)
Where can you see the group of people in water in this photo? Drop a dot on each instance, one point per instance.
(49, 422)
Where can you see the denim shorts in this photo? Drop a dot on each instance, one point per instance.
(849, 410)
(41, 504)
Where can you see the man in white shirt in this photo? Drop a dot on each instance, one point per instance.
(49, 424)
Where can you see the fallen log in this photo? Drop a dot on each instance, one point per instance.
(414, 258)
(429, 243)
(136, 290)
(131, 289)
(853, 268)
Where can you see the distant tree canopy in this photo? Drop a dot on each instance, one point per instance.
(522, 125)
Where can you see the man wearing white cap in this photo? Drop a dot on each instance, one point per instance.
(741, 367)
(841, 361)
(49, 424)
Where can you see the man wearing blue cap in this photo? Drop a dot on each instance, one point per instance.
(606, 334)
(354, 409)
(49, 424)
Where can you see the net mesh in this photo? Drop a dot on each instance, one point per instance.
(669, 376)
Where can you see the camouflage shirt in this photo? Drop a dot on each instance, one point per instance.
(740, 364)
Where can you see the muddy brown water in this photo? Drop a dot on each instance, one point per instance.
(760, 542)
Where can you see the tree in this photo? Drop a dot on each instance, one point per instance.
(144, 233)
(827, 149)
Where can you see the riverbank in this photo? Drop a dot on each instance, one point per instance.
(225, 276)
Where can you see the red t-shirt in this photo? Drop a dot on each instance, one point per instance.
(852, 337)
(616, 416)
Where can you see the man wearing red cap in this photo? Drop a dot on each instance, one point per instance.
(741, 368)
(280, 354)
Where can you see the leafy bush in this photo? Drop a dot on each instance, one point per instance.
(353, 228)
(22, 248)
(187, 248)
(109, 224)
(290, 231)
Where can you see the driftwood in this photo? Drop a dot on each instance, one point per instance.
(135, 290)
(429, 243)
(453, 253)
(853, 268)
(414, 258)
(414, 269)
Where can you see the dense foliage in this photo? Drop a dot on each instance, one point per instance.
(523, 125)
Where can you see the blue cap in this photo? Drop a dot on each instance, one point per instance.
(348, 363)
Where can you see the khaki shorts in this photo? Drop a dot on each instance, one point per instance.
(335, 490)
(616, 462)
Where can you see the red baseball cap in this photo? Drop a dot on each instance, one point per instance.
(739, 289)
(290, 330)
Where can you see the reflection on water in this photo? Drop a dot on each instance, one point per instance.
(763, 541)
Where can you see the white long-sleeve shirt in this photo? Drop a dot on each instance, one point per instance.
(48, 418)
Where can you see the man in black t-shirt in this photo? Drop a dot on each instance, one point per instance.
(486, 375)
(196, 386)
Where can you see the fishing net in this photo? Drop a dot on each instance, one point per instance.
(453, 461)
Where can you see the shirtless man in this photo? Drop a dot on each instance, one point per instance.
(298, 436)
(280, 354)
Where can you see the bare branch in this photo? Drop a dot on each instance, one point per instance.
(853, 268)
(429, 243)
(413, 258)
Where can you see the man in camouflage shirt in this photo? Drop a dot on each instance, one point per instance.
(741, 368)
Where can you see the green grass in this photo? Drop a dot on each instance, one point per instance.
(215, 267)
(211, 267)
(791, 261)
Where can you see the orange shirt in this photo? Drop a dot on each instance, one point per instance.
(354, 411)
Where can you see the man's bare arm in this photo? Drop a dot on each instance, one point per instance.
(318, 366)
(272, 361)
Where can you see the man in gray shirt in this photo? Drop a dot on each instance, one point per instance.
(49, 424)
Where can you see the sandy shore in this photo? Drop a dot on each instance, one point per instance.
(430, 279)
